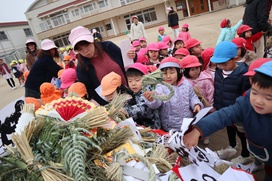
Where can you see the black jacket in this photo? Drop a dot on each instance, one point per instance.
(255, 15)
(173, 19)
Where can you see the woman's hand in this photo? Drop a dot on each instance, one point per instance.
(131, 54)
(197, 108)
(191, 139)
(148, 96)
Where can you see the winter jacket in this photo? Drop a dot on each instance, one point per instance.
(16, 71)
(226, 90)
(160, 37)
(88, 75)
(137, 31)
(178, 107)
(142, 114)
(43, 70)
(206, 86)
(255, 15)
(227, 34)
(4, 65)
(31, 57)
(257, 126)
(173, 19)
(23, 67)
(184, 35)
(252, 39)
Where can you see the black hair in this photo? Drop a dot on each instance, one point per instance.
(179, 72)
(243, 51)
(33, 43)
(47, 52)
(122, 89)
(187, 71)
(132, 72)
(228, 22)
(186, 29)
(243, 35)
(262, 80)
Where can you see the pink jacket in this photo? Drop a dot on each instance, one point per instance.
(184, 36)
(23, 68)
(205, 84)
(2, 69)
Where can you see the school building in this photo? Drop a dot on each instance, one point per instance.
(54, 19)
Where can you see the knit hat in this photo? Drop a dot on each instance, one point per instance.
(166, 39)
(256, 64)
(206, 56)
(265, 68)
(169, 62)
(48, 44)
(78, 34)
(141, 58)
(31, 100)
(240, 42)
(191, 43)
(49, 93)
(190, 61)
(224, 23)
(68, 77)
(162, 45)
(67, 57)
(110, 83)
(242, 29)
(224, 51)
(182, 51)
(78, 88)
(138, 66)
(185, 25)
(136, 43)
(152, 47)
(161, 28)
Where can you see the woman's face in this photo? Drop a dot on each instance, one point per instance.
(1, 61)
(31, 46)
(86, 50)
(52, 52)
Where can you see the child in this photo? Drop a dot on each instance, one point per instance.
(227, 32)
(163, 50)
(15, 70)
(6, 73)
(229, 84)
(195, 48)
(153, 54)
(181, 53)
(136, 107)
(178, 43)
(143, 42)
(253, 110)
(244, 31)
(68, 77)
(268, 48)
(69, 63)
(184, 102)
(22, 66)
(136, 45)
(184, 33)
(169, 42)
(49, 93)
(161, 34)
(208, 66)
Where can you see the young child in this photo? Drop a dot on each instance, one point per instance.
(195, 48)
(163, 50)
(136, 107)
(181, 53)
(143, 42)
(227, 32)
(6, 73)
(178, 43)
(229, 84)
(268, 47)
(136, 45)
(169, 42)
(161, 33)
(15, 70)
(244, 31)
(153, 54)
(253, 110)
(208, 66)
(68, 77)
(183, 104)
(22, 66)
(49, 93)
(184, 33)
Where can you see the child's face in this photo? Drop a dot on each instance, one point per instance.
(197, 50)
(143, 44)
(261, 99)
(194, 72)
(135, 83)
(66, 62)
(179, 57)
(170, 75)
(111, 96)
(153, 55)
(164, 52)
(179, 44)
(183, 29)
(161, 32)
(248, 34)
(229, 65)
(137, 48)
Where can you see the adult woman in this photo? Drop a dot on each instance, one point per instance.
(44, 69)
(32, 52)
(6, 73)
(173, 21)
(95, 60)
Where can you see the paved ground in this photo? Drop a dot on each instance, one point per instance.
(203, 27)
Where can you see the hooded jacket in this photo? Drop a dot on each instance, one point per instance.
(173, 19)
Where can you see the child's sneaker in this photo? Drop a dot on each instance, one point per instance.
(206, 141)
(13, 88)
(242, 160)
(226, 153)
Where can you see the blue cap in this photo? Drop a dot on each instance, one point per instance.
(224, 51)
(265, 68)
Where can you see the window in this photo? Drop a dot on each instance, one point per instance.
(61, 40)
(67, 18)
(48, 23)
(3, 36)
(28, 32)
(103, 3)
(108, 26)
(75, 12)
(88, 8)
(100, 29)
(58, 19)
(124, 2)
(150, 15)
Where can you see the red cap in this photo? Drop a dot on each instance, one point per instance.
(240, 42)
(182, 51)
(138, 66)
(224, 23)
(169, 62)
(256, 64)
(160, 28)
(191, 43)
(206, 56)
(162, 45)
(242, 29)
(190, 61)
(166, 39)
(151, 68)
(185, 25)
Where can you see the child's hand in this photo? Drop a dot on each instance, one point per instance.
(191, 139)
(197, 108)
(148, 96)
(131, 54)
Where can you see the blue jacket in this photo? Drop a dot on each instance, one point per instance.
(227, 34)
(227, 90)
(87, 74)
(257, 126)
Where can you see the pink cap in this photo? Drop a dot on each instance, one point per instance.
(190, 61)
(256, 64)
(162, 45)
(29, 41)
(136, 43)
(141, 58)
(143, 51)
(185, 25)
(240, 42)
(80, 33)
(160, 28)
(134, 17)
(153, 47)
(191, 43)
(142, 39)
(138, 66)
(182, 51)
(68, 77)
(48, 44)
(166, 39)
(169, 62)
(178, 39)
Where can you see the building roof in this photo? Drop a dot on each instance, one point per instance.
(60, 8)
(16, 23)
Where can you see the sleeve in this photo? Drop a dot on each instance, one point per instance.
(137, 110)
(235, 27)
(29, 62)
(221, 37)
(169, 21)
(132, 31)
(262, 15)
(143, 30)
(193, 98)
(155, 104)
(209, 87)
(53, 67)
(256, 36)
(245, 84)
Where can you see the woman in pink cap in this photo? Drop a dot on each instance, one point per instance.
(44, 69)
(95, 60)
(32, 53)
(184, 33)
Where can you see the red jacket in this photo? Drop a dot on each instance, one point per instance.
(252, 39)
(2, 69)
